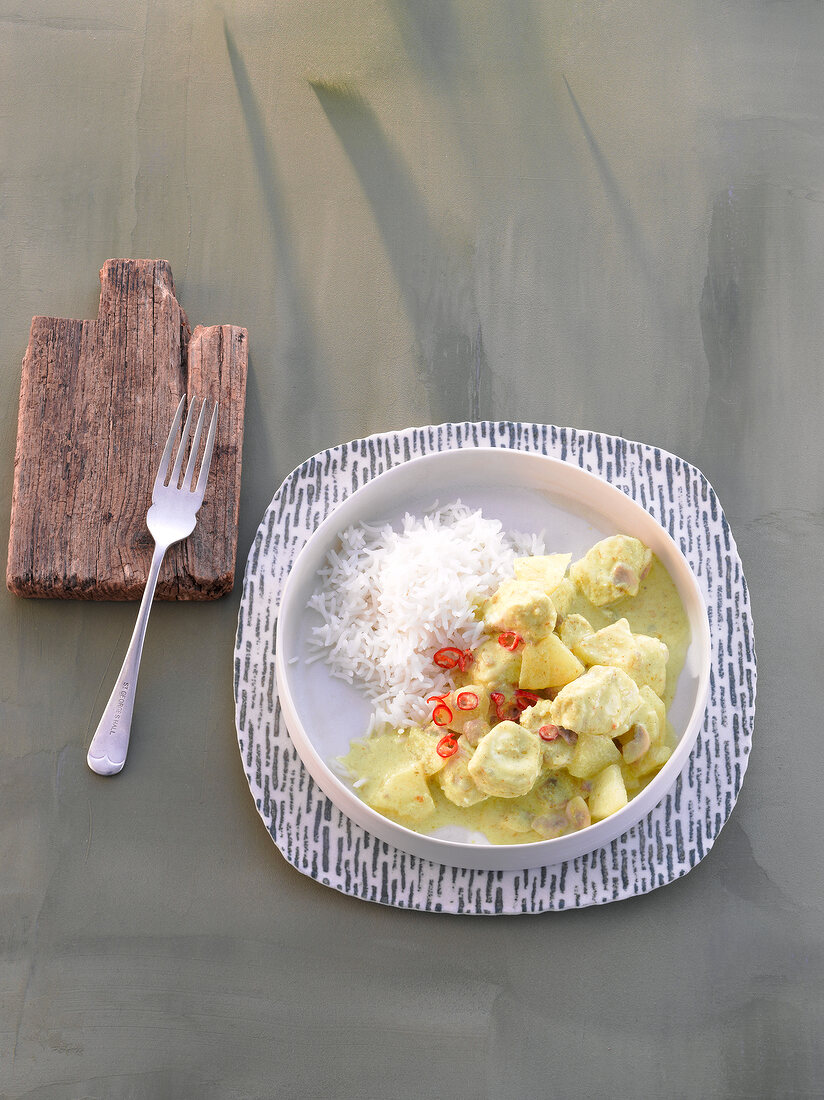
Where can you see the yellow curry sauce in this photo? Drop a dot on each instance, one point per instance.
(583, 774)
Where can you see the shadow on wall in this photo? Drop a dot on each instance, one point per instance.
(518, 125)
(620, 207)
(297, 352)
(470, 63)
(435, 277)
(730, 304)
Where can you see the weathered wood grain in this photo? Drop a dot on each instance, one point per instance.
(96, 401)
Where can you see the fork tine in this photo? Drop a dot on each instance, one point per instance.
(163, 469)
(187, 427)
(207, 457)
(189, 476)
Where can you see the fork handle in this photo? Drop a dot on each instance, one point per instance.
(108, 748)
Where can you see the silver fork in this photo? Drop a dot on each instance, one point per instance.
(172, 517)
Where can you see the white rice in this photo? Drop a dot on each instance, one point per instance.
(389, 599)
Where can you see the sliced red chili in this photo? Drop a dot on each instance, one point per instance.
(452, 657)
(447, 746)
(448, 657)
(441, 715)
(549, 733)
(466, 700)
(524, 699)
(510, 640)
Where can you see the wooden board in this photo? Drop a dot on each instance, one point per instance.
(97, 400)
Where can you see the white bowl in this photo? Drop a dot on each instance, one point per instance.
(527, 493)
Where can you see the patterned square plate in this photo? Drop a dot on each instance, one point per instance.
(324, 844)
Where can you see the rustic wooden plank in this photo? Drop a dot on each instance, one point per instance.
(96, 401)
(217, 360)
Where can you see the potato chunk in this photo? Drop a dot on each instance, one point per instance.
(602, 701)
(563, 597)
(592, 753)
(640, 656)
(456, 782)
(608, 793)
(520, 606)
(545, 570)
(578, 813)
(612, 569)
(652, 704)
(404, 794)
(507, 761)
(548, 664)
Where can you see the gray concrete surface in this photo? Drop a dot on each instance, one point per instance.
(603, 215)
